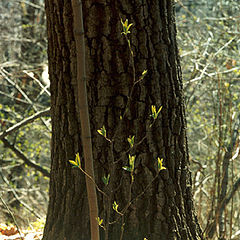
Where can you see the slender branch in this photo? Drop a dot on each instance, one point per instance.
(231, 194)
(18, 198)
(86, 174)
(225, 166)
(16, 99)
(11, 213)
(31, 4)
(212, 228)
(130, 202)
(44, 88)
(4, 74)
(20, 154)
(24, 122)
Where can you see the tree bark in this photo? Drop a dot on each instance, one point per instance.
(165, 210)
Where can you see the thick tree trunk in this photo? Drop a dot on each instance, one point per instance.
(165, 210)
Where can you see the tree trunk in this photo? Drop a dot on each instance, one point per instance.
(165, 208)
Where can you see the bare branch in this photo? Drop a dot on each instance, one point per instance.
(24, 122)
(5, 75)
(18, 198)
(20, 154)
(11, 213)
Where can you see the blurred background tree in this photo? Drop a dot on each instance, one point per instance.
(208, 39)
(24, 84)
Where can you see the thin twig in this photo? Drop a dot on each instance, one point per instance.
(5, 75)
(44, 88)
(24, 122)
(19, 153)
(86, 174)
(18, 198)
(13, 218)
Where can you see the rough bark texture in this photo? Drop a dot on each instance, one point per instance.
(165, 211)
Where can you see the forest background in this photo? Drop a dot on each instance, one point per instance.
(208, 41)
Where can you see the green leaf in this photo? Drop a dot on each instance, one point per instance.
(115, 206)
(160, 164)
(131, 141)
(153, 108)
(102, 131)
(100, 221)
(159, 110)
(143, 74)
(106, 179)
(78, 160)
(127, 168)
(131, 161)
(73, 163)
(126, 26)
(155, 113)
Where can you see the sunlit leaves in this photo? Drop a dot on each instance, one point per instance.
(131, 141)
(144, 73)
(102, 131)
(115, 206)
(105, 179)
(100, 221)
(160, 164)
(76, 162)
(126, 27)
(131, 161)
(131, 165)
(126, 168)
(155, 112)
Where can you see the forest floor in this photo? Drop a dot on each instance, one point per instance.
(11, 233)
